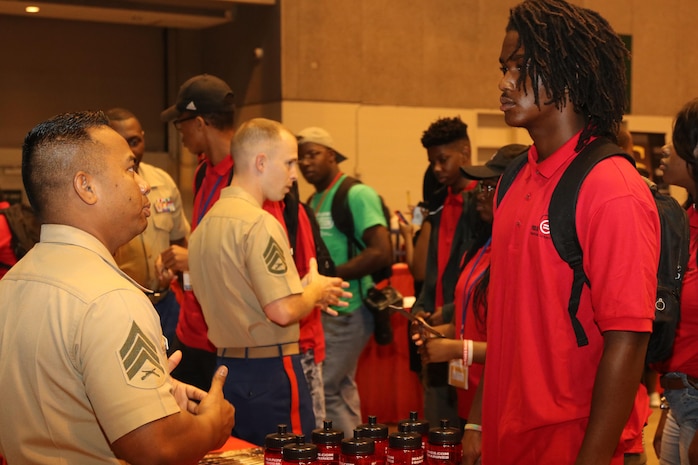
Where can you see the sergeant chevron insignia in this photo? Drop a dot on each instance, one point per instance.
(274, 258)
(140, 361)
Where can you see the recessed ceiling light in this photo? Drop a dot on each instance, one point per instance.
(32, 9)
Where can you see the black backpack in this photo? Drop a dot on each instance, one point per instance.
(673, 258)
(325, 265)
(25, 229)
(344, 222)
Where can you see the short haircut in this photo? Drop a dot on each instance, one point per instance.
(119, 114)
(685, 134)
(53, 151)
(254, 136)
(220, 121)
(444, 131)
(577, 57)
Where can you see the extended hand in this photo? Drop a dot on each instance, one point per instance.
(472, 447)
(186, 395)
(332, 289)
(175, 258)
(436, 350)
(215, 404)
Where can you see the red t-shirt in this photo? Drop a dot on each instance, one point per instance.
(6, 255)
(312, 336)
(192, 329)
(685, 356)
(450, 216)
(474, 328)
(538, 382)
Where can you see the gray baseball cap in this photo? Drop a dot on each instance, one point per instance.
(321, 137)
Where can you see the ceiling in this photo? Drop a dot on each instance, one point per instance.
(187, 14)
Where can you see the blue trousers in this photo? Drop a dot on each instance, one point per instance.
(267, 392)
(168, 310)
(681, 424)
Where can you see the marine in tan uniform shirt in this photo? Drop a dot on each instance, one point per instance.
(237, 266)
(82, 361)
(166, 224)
(244, 277)
(96, 347)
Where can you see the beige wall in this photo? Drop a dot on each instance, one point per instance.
(375, 73)
(443, 53)
(383, 146)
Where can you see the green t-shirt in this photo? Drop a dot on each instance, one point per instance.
(367, 212)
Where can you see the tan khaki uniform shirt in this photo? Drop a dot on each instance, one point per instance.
(166, 224)
(82, 358)
(239, 261)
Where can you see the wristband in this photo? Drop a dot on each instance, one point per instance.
(473, 427)
(465, 351)
(470, 352)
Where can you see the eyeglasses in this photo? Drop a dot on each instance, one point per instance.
(178, 122)
(486, 189)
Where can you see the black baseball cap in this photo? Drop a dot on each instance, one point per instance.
(202, 94)
(496, 165)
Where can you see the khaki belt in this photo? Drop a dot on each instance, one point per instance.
(272, 351)
(672, 384)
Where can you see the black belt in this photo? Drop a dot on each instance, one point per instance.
(156, 296)
(271, 351)
(673, 383)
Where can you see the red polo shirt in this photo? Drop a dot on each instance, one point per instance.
(538, 383)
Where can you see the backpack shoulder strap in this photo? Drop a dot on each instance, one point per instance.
(291, 205)
(510, 173)
(341, 213)
(562, 219)
(199, 176)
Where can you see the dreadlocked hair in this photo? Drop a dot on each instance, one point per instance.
(577, 56)
(444, 131)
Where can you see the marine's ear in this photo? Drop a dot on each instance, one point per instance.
(83, 184)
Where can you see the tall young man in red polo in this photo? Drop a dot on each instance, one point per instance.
(546, 399)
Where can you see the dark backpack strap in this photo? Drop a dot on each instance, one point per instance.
(200, 174)
(325, 264)
(342, 217)
(291, 205)
(562, 219)
(510, 173)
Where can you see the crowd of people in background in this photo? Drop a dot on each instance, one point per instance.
(130, 324)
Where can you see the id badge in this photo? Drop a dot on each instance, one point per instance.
(458, 374)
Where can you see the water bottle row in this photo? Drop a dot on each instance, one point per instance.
(412, 444)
